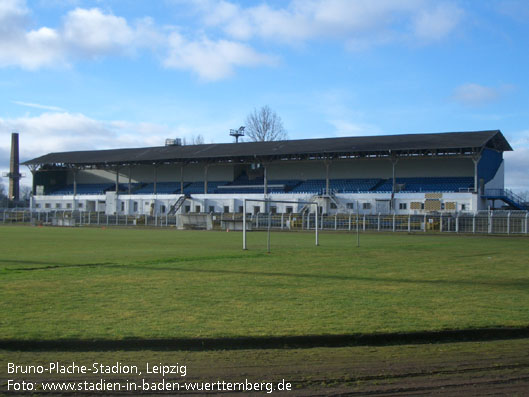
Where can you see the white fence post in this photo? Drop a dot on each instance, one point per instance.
(349, 221)
(526, 222)
(441, 223)
(424, 223)
(244, 226)
(409, 223)
(378, 222)
(509, 222)
(474, 223)
(364, 223)
(457, 223)
(393, 221)
(335, 221)
(490, 223)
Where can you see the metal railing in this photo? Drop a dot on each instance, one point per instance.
(509, 194)
(483, 222)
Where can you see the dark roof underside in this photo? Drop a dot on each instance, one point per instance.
(448, 142)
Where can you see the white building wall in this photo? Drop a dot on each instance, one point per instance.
(148, 204)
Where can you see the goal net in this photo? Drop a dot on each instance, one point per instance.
(268, 221)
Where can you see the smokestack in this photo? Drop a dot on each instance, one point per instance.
(14, 174)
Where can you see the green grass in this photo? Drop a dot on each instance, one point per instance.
(123, 283)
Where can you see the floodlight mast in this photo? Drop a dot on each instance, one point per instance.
(237, 133)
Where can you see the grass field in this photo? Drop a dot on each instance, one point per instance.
(85, 283)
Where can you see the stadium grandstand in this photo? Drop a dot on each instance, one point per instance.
(402, 174)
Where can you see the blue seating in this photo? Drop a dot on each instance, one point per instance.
(433, 184)
(83, 188)
(198, 187)
(336, 185)
(161, 188)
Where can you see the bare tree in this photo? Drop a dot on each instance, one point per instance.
(25, 192)
(524, 196)
(265, 125)
(194, 140)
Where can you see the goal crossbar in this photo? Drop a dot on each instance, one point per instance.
(268, 201)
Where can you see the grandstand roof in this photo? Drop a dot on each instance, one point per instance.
(386, 145)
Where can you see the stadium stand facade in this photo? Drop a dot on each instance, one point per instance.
(401, 174)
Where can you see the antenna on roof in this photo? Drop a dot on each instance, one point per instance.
(237, 133)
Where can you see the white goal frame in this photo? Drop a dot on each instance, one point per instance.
(268, 201)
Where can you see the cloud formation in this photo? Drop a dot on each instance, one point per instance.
(211, 60)
(472, 94)
(302, 20)
(225, 37)
(64, 131)
(84, 33)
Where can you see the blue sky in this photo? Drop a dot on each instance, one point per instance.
(100, 74)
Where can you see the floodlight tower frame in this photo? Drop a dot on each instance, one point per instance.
(237, 133)
(268, 201)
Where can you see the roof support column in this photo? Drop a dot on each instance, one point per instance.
(117, 180)
(475, 158)
(155, 177)
(182, 179)
(74, 182)
(74, 187)
(206, 178)
(130, 179)
(327, 164)
(394, 161)
(265, 180)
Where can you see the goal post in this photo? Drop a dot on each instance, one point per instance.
(267, 203)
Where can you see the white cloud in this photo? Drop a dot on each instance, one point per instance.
(39, 106)
(437, 23)
(516, 166)
(517, 162)
(475, 94)
(92, 32)
(64, 131)
(211, 60)
(83, 33)
(344, 128)
(363, 21)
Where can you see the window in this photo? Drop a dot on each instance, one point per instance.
(57, 205)
(80, 205)
(442, 206)
(122, 206)
(256, 209)
(68, 205)
(226, 209)
(422, 206)
(273, 210)
(135, 206)
(333, 206)
(197, 208)
(350, 206)
(290, 210)
(187, 209)
(240, 208)
(162, 209)
(37, 205)
(463, 207)
(366, 206)
(47, 205)
(402, 206)
(211, 208)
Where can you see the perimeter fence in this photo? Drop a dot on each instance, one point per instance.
(484, 222)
